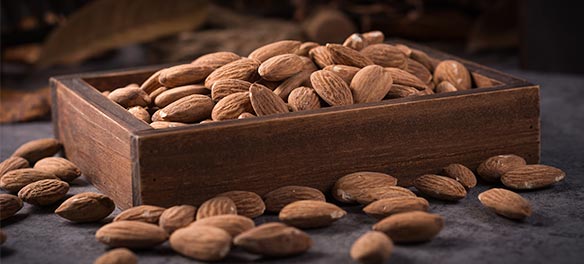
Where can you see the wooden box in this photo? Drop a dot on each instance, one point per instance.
(135, 164)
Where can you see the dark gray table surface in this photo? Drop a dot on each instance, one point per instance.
(554, 234)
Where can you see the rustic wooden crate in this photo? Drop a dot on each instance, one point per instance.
(407, 137)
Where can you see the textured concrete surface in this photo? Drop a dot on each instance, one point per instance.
(554, 234)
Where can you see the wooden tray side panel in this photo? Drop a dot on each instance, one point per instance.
(96, 143)
(404, 139)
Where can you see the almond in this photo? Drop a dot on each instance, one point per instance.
(243, 69)
(216, 206)
(223, 88)
(192, 108)
(274, 240)
(418, 70)
(374, 37)
(142, 213)
(506, 203)
(86, 207)
(401, 91)
(280, 67)
(232, 224)
(381, 192)
(266, 102)
(351, 187)
(370, 84)
(152, 83)
(140, 113)
(405, 78)
(13, 163)
(184, 74)
(445, 87)
(15, 180)
(216, 59)
(422, 58)
(389, 206)
(385, 55)
(44, 192)
(232, 106)
(411, 227)
(331, 88)
(174, 94)
(176, 217)
(372, 247)
(305, 48)
(461, 174)
(129, 96)
(404, 49)
(166, 124)
(321, 56)
(245, 115)
(347, 56)
(285, 88)
(453, 72)
(345, 72)
(278, 198)
(310, 214)
(37, 149)
(248, 204)
(303, 98)
(60, 167)
(532, 177)
(356, 42)
(205, 243)
(9, 205)
(494, 167)
(157, 92)
(440, 187)
(131, 234)
(276, 48)
(117, 256)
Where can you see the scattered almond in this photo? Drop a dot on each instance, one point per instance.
(274, 240)
(216, 206)
(9, 205)
(494, 167)
(440, 187)
(13, 163)
(142, 213)
(532, 177)
(35, 150)
(388, 206)
(232, 224)
(176, 217)
(506, 203)
(278, 198)
(411, 227)
(310, 214)
(248, 204)
(44, 192)
(371, 248)
(117, 256)
(461, 174)
(60, 167)
(15, 180)
(86, 207)
(205, 243)
(131, 234)
(351, 187)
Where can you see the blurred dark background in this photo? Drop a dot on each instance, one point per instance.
(43, 38)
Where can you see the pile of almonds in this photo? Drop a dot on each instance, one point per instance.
(208, 232)
(287, 76)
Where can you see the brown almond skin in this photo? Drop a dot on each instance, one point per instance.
(131, 234)
(321, 56)
(355, 41)
(117, 256)
(372, 247)
(445, 87)
(280, 67)
(140, 113)
(422, 58)
(305, 47)
(370, 84)
(205, 243)
(142, 213)
(303, 98)
(232, 106)
(129, 96)
(152, 83)
(176, 217)
(13, 163)
(383, 192)
(494, 167)
(60, 167)
(270, 50)
(35, 150)
(86, 207)
(532, 177)
(223, 88)
(242, 69)
(189, 109)
(411, 227)
(418, 70)
(169, 96)
(347, 56)
(440, 187)
(248, 204)
(351, 187)
(278, 198)
(44, 192)
(461, 174)
(157, 92)
(274, 240)
(216, 59)
(401, 91)
(216, 206)
(285, 88)
(9, 205)
(453, 72)
(246, 115)
(266, 102)
(345, 72)
(506, 203)
(166, 124)
(385, 55)
(331, 88)
(310, 214)
(232, 224)
(404, 49)
(184, 74)
(385, 207)
(15, 180)
(405, 78)
(374, 37)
